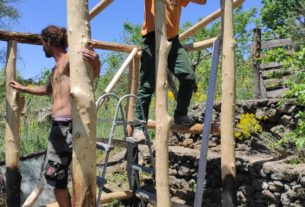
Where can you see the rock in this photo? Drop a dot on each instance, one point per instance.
(276, 186)
(279, 131)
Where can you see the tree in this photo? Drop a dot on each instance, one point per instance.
(286, 18)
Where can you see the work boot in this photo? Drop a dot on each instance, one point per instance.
(138, 135)
(183, 120)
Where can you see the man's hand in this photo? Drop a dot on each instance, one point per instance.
(93, 58)
(16, 85)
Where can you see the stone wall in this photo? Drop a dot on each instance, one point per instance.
(265, 177)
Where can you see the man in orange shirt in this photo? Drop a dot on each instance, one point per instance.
(178, 63)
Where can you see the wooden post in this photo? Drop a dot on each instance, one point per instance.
(256, 53)
(228, 165)
(133, 85)
(162, 118)
(83, 106)
(14, 106)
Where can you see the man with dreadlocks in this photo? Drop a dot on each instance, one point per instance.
(59, 152)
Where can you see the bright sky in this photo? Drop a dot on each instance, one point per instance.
(107, 26)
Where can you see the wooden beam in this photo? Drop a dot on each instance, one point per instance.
(28, 38)
(83, 106)
(14, 106)
(200, 45)
(112, 46)
(162, 117)
(228, 161)
(35, 39)
(133, 85)
(205, 21)
(193, 129)
(106, 197)
(98, 8)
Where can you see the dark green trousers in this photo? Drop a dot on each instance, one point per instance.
(178, 64)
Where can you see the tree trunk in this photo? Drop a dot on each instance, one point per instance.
(83, 106)
(14, 106)
(228, 165)
(256, 52)
(162, 117)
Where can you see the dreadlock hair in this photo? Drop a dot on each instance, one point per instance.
(56, 35)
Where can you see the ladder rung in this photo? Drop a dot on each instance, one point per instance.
(100, 181)
(103, 146)
(143, 168)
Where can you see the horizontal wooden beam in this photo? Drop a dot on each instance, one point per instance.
(99, 8)
(106, 197)
(200, 45)
(193, 129)
(28, 38)
(205, 21)
(112, 46)
(35, 39)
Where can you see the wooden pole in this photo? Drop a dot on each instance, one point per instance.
(228, 163)
(83, 106)
(133, 85)
(205, 21)
(14, 106)
(162, 118)
(256, 52)
(98, 8)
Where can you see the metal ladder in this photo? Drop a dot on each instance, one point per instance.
(133, 168)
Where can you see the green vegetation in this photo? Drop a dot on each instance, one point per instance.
(247, 126)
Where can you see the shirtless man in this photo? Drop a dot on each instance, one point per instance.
(59, 152)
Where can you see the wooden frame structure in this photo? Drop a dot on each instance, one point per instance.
(84, 166)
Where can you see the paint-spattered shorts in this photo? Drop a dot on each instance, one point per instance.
(59, 155)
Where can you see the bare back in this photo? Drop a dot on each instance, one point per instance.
(60, 81)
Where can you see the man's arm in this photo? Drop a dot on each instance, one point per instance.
(34, 90)
(198, 1)
(93, 58)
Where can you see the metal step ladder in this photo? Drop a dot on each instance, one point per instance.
(133, 168)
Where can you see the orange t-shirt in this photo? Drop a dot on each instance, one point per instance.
(173, 13)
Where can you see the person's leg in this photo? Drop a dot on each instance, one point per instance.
(58, 159)
(179, 64)
(147, 78)
(147, 86)
(63, 197)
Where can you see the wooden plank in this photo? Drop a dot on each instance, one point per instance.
(275, 73)
(276, 93)
(270, 65)
(273, 84)
(193, 129)
(106, 198)
(277, 43)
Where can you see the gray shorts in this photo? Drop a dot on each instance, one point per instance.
(59, 155)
